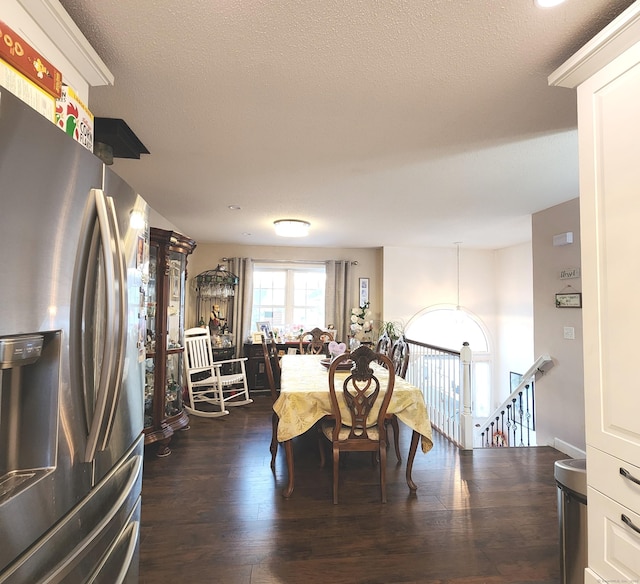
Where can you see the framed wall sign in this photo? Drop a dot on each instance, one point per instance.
(569, 300)
(364, 291)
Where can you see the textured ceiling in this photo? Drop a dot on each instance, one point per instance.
(382, 122)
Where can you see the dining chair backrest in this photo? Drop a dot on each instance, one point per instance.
(272, 370)
(400, 356)
(363, 394)
(366, 400)
(312, 342)
(271, 366)
(384, 344)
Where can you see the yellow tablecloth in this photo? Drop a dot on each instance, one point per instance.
(304, 399)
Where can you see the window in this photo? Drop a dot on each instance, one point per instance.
(448, 328)
(290, 296)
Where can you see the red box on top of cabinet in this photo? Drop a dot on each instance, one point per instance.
(21, 55)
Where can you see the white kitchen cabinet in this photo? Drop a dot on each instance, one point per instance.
(609, 138)
(606, 73)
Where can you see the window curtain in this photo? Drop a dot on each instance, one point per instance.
(338, 297)
(243, 268)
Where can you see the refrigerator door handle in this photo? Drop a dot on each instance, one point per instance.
(73, 557)
(130, 537)
(120, 339)
(106, 390)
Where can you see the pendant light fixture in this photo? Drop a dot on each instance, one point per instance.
(457, 243)
(459, 317)
(218, 283)
(291, 227)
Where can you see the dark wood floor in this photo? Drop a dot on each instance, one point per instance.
(212, 511)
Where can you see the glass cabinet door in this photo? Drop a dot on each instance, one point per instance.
(175, 312)
(150, 341)
(152, 299)
(149, 367)
(173, 402)
(175, 333)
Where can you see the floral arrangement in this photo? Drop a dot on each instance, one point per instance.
(361, 323)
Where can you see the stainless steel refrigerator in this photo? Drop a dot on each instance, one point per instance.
(73, 265)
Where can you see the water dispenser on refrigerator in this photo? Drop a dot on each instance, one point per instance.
(29, 377)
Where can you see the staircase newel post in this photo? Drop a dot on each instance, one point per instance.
(466, 419)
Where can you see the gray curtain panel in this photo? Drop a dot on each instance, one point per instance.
(337, 297)
(243, 268)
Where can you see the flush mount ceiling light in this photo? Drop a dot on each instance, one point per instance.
(291, 227)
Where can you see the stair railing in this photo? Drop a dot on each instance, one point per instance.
(438, 373)
(513, 423)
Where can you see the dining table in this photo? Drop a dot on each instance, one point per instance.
(304, 400)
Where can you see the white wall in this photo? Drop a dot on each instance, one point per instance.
(514, 293)
(159, 221)
(494, 285)
(560, 392)
(416, 278)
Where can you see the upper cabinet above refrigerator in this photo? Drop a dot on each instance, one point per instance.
(164, 378)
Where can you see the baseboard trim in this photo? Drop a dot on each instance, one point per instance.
(568, 449)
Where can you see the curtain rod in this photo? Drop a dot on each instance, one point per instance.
(289, 261)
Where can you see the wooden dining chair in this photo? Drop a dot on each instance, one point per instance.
(384, 344)
(272, 370)
(312, 342)
(365, 401)
(207, 385)
(399, 355)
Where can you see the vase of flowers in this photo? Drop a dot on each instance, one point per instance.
(361, 326)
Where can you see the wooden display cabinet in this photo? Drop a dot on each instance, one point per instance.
(164, 412)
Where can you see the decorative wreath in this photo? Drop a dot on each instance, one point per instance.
(499, 439)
